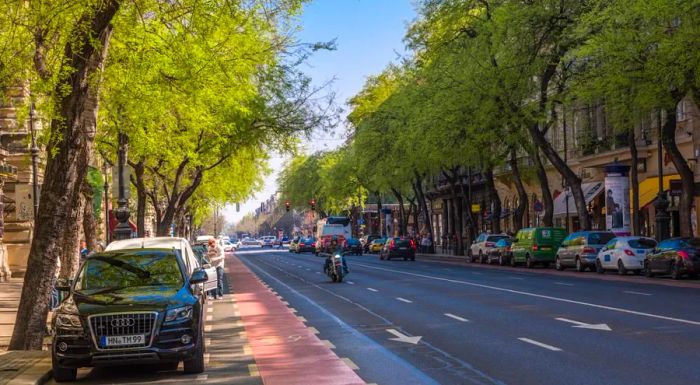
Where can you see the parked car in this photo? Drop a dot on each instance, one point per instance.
(228, 247)
(580, 249)
(536, 245)
(353, 246)
(480, 249)
(200, 251)
(286, 241)
(500, 252)
(179, 244)
(366, 241)
(267, 241)
(624, 254)
(306, 245)
(248, 241)
(130, 307)
(376, 245)
(675, 256)
(398, 248)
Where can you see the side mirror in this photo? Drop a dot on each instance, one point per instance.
(63, 284)
(199, 276)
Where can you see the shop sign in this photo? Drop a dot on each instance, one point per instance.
(476, 207)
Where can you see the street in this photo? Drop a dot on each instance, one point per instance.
(427, 322)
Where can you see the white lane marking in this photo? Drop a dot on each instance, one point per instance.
(583, 325)
(350, 364)
(636, 293)
(458, 318)
(329, 344)
(374, 290)
(516, 278)
(210, 310)
(202, 377)
(207, 329)
(549, 297)
(308, 269)
(540, 344)
(318, 272)
(563, 284)
(477, 273)
(350, 282)
(400, 337)
(404, 300)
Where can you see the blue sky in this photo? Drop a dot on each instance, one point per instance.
(369, 35)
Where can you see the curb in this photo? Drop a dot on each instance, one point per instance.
(37, 374)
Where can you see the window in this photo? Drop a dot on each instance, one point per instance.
(642, 243)
(130, 270)
(667, 244)
(599, 238)
(683, 111)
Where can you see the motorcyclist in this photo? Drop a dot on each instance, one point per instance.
(331, 250)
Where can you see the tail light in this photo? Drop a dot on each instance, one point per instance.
(413, 244)
(589, 250)
(490, 244)
(302, 244)
(629, 252)
(535, 247)
(508, 249)
(683, 254)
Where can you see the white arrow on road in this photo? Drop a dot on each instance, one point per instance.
(403, 338)
(584, 325)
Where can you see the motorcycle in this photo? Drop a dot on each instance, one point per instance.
(335, 269)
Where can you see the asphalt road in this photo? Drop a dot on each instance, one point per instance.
(403, 322)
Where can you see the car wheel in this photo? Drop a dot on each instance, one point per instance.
(675, 271)
(599, 267)
(647, 270)
(621, 268)
(558, 265)
(195, 365)
(579, 265)
(63, 374)
(528, 262)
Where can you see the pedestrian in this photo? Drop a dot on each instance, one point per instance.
(424, 244)
(84, 252)
(216, 258)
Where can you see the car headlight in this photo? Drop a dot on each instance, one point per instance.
(179, 314)
(68, 321)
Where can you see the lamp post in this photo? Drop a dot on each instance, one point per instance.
(123, 230)
(566, 158)
(661, 204)
(107, 227)
(35, 161)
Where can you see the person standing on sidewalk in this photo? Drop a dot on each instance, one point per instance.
(216, 257)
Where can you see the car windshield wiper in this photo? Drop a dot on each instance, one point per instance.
(141, 273)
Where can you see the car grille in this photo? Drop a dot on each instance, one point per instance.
(123, 324)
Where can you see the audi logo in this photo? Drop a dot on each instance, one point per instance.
(122, 322)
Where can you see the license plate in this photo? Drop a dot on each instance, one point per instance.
(138, 339)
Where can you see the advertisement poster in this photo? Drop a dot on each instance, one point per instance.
(617, 204)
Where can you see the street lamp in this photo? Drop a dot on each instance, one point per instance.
(123, 230)
(661, 204)
(35, 161)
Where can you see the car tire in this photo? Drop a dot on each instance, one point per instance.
(528, 262)
(599, 267)
(647, 270)
(675, 271)
(63, 374)
(557, 264)
(579, 265)
(195, 365)
(621, 270)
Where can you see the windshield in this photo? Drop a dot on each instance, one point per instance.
(642, 243)
(129, 270)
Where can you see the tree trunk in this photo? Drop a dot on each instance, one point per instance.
(70, 242)
(424, 208)
(414, 213)
(456, 212)
(495, 201)
(520, 187)
(379, 213)
(89, 220)
(547, 202)
(402, 212)
(634, 176)
(65, 169)
(685, 204)
(572, 180)
(471, 221)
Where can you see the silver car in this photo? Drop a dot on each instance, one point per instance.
(580, 249)
(624, 254)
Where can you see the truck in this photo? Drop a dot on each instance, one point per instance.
(329, 227)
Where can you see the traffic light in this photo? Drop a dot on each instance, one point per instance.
(313, 204)
(286, 205)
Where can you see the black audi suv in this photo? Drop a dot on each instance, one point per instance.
(141, 306)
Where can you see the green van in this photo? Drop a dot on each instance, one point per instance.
(534, 245)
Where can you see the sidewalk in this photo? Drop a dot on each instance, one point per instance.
(609, 276)
(286, 352)
(18, 367)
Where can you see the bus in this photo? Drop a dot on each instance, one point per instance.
(329, 227)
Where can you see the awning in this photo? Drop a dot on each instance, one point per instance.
(649, 189)
(590, 191)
